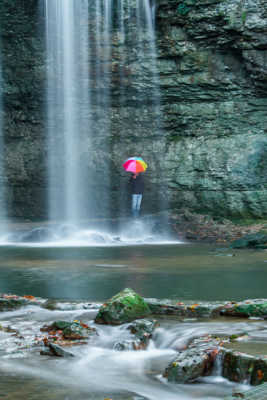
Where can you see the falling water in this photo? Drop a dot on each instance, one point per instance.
(68, 108)
(2, 155)
(101, 68)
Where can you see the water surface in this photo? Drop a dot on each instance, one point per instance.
(182, 271)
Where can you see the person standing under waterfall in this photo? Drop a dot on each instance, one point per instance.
(137, 190)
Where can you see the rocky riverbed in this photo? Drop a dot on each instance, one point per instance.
(186, 343)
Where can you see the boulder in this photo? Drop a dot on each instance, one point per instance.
(124, 307)
(196, 361)
(241, 367)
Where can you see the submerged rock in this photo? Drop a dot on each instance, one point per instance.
(196, 361)
(124, 307)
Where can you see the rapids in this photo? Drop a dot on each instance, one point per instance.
(98, 371)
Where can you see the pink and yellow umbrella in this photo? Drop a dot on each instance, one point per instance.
(134, 165)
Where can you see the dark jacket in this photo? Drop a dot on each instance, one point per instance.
(137, 184)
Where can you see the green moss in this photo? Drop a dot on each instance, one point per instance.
(124, 307)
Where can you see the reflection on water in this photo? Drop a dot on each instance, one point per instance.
(186, 272)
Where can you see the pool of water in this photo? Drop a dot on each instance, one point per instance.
(182, 271)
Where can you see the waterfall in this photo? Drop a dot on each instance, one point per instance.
(68, 109)
(3, 212)
(101, 63)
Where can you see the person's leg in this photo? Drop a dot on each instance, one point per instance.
(138, 203)
(134, 205)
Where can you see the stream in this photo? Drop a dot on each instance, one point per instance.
(80, 278)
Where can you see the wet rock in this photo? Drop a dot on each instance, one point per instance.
(143, 330)
(50, 304)
(56, 350)
(128, 345)
(13, 302)
(124, 307)
(253, 240)
(75, 330)
(180, 309)
(196, 361)
(143, 327)
(241, 367)
(57, 325)
(247, 308)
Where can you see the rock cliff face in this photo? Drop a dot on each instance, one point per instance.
(210, 153)
(212, 57)
(23, 79)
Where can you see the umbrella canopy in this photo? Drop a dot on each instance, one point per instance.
(134, 165)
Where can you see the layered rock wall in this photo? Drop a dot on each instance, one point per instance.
(212, 57)
(23, 83)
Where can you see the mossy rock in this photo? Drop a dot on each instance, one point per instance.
(125, 306)
(12, 303)
(249, 308)
(59, 325)
(74, 330)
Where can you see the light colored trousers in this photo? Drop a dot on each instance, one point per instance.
(136, 204)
